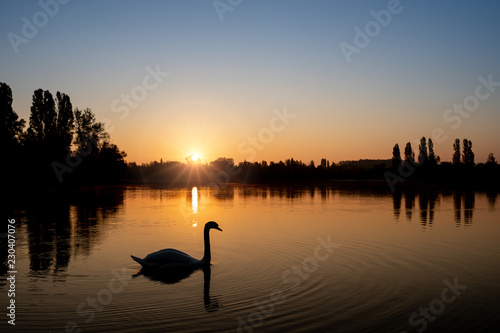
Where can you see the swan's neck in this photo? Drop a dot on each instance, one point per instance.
(206, 257)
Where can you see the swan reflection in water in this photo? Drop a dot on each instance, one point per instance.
(171, 266)
(211, 303)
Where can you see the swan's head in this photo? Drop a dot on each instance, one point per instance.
(212, 225)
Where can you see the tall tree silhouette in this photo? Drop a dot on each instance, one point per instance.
(433, 159)
(65, 124)
(422, 151)
(43, 117)
(40, 140)
(11, 126)
(396, 157)
(467, 155)
(456, 153)
(409, 154)
(49, 134)
(51, 122)
(43, 153)
(89, 133)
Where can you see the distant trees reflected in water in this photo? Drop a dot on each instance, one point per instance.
(463, 205)
(463, 202)
(426, 205)
(60, 228)
(408, 202)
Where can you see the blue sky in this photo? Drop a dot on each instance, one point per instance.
(226, 77)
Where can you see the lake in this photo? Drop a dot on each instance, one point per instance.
(343, 257)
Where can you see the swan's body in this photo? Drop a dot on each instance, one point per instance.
(172, 259)
(168, 258)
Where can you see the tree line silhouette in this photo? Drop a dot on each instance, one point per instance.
(428, 168)
(224, 170)
(66, 145)
(61, 144)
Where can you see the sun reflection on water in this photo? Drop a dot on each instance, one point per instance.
(194, 204)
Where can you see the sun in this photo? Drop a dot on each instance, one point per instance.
(193, 158)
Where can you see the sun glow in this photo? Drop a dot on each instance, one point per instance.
(193, 158)
(194, 205)
(194, 200)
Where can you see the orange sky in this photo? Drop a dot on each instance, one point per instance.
(173, 78)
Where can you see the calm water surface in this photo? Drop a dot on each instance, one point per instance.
(298, 259)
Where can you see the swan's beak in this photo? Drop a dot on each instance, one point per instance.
(218, 228)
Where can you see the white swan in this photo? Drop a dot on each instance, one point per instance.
(171, 258)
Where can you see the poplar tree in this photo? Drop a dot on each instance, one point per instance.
(433, 160)
(409, 154)
(467, 155)
(396, 157)
(422, 151)
(456, 153)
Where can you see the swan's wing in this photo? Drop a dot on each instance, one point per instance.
(170, 256)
